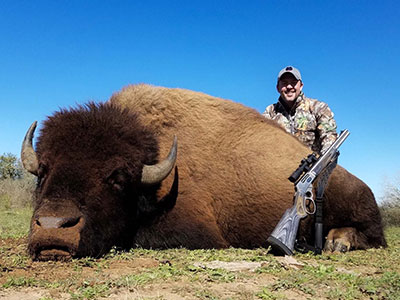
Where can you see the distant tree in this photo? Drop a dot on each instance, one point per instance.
(392, 189)
(390, 206)
(10, 167)
(16, 184)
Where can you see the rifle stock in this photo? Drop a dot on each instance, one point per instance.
(283, 237)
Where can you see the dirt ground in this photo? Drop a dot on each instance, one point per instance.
(142, 276)
(56, 280)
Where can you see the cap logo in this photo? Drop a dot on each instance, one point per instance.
(289, 68)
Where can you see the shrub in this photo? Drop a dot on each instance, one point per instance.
(10, 167)
(390, 204)
(17, 193)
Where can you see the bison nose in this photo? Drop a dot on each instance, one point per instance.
(57, 222)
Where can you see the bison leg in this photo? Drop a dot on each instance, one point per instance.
(344, 239)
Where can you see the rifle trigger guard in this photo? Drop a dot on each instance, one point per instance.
(306, 207)
(308, 201)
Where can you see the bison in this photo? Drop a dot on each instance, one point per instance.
(101, 181)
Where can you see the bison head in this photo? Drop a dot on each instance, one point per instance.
(97, 181)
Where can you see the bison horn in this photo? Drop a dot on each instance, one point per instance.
(153, 174)
(28, 155)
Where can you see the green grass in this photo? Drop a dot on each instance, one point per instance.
(370, 274)
(91, 290)
(14, 223)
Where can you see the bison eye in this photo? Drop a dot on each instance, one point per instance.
(42, 172)
(119, 179)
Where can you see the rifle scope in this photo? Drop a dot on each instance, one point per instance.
(304, 166)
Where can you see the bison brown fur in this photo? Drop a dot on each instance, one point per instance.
(233, 188)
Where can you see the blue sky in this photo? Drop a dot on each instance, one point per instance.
(56, 54)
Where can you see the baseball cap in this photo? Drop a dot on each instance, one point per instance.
(292, 70)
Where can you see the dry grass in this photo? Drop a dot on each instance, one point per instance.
(16, 193)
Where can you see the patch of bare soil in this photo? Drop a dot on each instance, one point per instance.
(185, 289)
(31, 294)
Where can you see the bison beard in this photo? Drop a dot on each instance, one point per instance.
(233, 167)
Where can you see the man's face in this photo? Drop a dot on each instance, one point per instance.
(289, 87)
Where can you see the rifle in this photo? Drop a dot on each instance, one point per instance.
(283, 238)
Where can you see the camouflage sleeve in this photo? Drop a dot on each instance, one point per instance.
(326, 125)
(269, 112)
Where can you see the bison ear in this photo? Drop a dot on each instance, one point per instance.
(119, 179)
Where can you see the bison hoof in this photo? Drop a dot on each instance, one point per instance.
(337, 246)
(340, 240)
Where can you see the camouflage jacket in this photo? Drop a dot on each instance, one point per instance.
(310, 120)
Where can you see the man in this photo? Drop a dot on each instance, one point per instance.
(310, 120)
